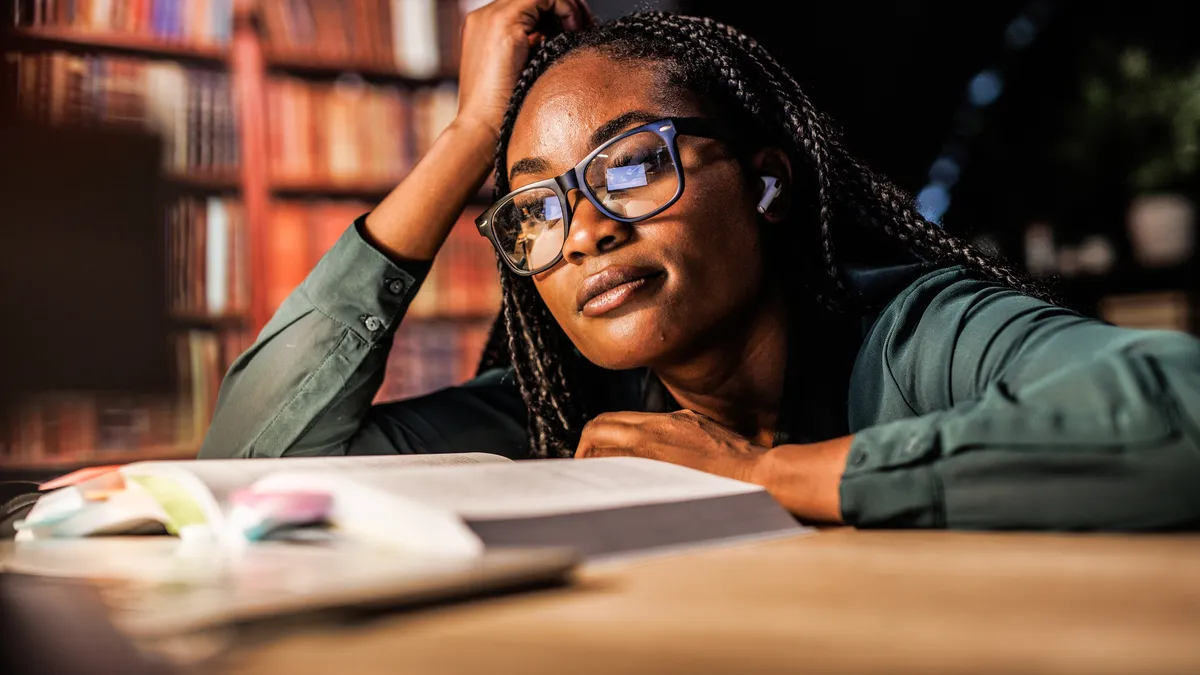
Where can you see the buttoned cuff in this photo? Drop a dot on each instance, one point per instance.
(357, 285)
(889, 479)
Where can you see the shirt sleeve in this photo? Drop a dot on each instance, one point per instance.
(307, 384)
(1020, 414)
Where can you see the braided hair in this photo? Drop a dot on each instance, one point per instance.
(851, 206)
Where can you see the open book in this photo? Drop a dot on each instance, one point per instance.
(455, 505)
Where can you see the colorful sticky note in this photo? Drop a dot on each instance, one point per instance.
(76, 477)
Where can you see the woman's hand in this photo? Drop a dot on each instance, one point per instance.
(496, 40)
(805, 479)
(413, 221)
(684, 437)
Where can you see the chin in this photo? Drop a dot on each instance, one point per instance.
(636, 340)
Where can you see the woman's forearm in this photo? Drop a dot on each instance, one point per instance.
(413, 221)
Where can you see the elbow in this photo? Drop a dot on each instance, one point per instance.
(1164, 488)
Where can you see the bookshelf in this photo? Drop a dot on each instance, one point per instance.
(283, 122)
(303, 64)
(200, 182)
(86, 40)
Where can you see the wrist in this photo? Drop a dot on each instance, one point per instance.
(806, 479)
(475, 131)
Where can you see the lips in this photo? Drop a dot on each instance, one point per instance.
(612, 287)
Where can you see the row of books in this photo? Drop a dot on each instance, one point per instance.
(431, 355)
(207, 257)
(462, 283)
(298, 234)
(418, 38)
(191, 109)
(349, 132)
(86, 426)
(179, 21)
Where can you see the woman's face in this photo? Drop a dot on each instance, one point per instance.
(688, 272)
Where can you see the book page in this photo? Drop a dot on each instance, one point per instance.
(221, 477)
(529, 487)
(208, 483)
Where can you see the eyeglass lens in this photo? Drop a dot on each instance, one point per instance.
(630, 178)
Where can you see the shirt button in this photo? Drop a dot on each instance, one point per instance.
(858, 458)
(373, 323)
(396, 286)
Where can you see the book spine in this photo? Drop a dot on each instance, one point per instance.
(173, 29)
(239, 269)
(420, 37)
(206, 119)
(100, 15)
(192, 138)
(220, 114)
(197, 29)
(223, 21)
(157, 19)
(217, 249)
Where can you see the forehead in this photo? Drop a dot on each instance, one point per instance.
(579, 94)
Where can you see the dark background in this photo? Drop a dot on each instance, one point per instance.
(894, 76)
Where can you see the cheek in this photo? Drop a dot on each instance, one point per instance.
(709, 242)
(558, 292)
(715, 237)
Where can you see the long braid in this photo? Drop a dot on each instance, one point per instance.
(733, 72)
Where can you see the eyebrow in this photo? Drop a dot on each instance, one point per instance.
(604, 132)
(622, 122)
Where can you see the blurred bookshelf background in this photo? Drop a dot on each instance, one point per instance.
(1061, 136)
(281, 122)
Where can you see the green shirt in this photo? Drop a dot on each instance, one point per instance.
(973, 405)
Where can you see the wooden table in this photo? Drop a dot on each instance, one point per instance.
(837, 601)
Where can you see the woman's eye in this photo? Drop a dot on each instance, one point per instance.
(632, 160)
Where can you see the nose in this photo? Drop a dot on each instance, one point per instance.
(592, 232)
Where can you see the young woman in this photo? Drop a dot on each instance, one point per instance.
(694, 270)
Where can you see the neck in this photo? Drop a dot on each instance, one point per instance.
(737, 377)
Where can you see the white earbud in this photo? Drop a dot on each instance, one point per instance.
(770, 191)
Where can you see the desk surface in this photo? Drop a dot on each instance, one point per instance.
(837, 601)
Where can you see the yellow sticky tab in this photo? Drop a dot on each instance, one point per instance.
(182, 511)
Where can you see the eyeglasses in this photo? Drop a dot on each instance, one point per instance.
(629, 178)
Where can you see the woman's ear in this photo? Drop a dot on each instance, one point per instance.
(772, 185)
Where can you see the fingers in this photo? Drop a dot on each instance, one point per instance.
(624, 417)
(608, 435)
(625, 433)
(593, 453)
(571, 14)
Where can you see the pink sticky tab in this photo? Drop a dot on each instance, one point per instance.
(76, 477)
(285, 506)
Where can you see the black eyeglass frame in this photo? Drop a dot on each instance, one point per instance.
(669, 129)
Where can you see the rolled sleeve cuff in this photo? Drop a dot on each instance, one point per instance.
(889, 480)
(357, 285)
